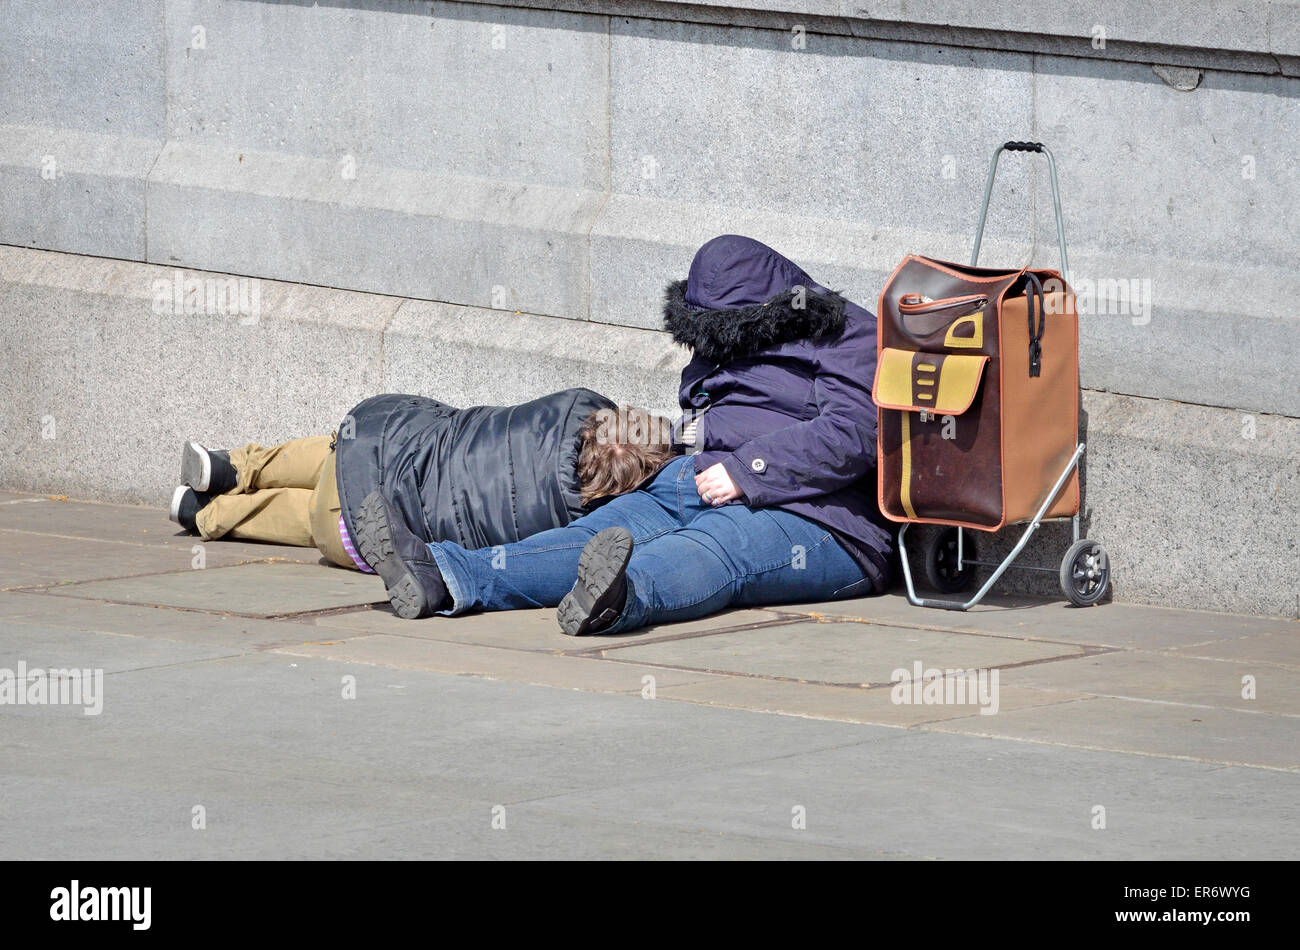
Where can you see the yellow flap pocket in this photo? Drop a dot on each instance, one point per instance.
(942, 383)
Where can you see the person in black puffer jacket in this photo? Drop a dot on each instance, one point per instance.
(482, 476)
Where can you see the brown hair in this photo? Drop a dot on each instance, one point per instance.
(620, 449)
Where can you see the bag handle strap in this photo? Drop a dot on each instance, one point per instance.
(1034, 295)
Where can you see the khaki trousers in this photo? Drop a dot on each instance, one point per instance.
(286, 494)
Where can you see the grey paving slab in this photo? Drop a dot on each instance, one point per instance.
(513, 736)
(1129, 626)
(1172, 679)
(18, 498)
(522, 629)
(134, 552)
(161, 623)
(285, 766)
(256, 589)
(28, 560)
(279, 758)
(87, 519)
(132, 525)
(1282, 649)
(841, 652)
(1211, 735)
(314, 823)
(143, 810)
(850, 704)
(946, 796)
(538, 832)
(44, 646)
(130, 789)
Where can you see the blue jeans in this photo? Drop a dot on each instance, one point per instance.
(689, 559)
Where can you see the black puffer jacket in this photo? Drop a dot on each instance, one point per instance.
(480, 477)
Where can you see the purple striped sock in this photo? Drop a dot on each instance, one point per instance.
(351, 549)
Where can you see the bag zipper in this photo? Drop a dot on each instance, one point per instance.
(915, 304)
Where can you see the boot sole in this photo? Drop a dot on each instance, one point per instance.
(196, 467)
(602, 562)
(174, 513)
(375, 544)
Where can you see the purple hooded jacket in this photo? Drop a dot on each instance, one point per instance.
(779, 389)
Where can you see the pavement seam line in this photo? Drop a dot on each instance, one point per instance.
(1281, 664)
(586, 652)
(288, 649)
(1225, 763)
(47, 588)
(708, 672)
(686, 635)
(839, 685)
(921, 726)
(908, 625)
(177, 607)
(1174, 702)
(1100, 647)
(165, 666)
(79, 537)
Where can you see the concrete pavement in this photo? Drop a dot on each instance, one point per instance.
(256, 703)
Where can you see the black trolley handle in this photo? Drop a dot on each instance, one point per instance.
(1056, 199)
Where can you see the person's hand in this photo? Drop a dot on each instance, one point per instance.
(715, 485)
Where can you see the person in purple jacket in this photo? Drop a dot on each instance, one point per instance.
(775, 502)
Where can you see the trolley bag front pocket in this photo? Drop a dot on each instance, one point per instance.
(931, 464)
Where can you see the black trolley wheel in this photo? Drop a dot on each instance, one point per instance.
(941, 561)
(1085, 573)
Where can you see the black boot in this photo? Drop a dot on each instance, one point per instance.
(186, 505)
(207, 471)
(415, 585)
(599, 594)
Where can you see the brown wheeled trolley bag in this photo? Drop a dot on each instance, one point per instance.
(977, 383)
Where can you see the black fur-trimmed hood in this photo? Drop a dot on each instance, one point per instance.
(723, 334)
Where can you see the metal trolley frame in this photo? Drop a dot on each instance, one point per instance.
(1085, 569)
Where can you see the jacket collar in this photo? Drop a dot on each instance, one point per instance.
(724, 334)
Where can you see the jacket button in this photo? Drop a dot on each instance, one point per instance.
(758, 465)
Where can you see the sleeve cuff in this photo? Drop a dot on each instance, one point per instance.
(743, 478)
